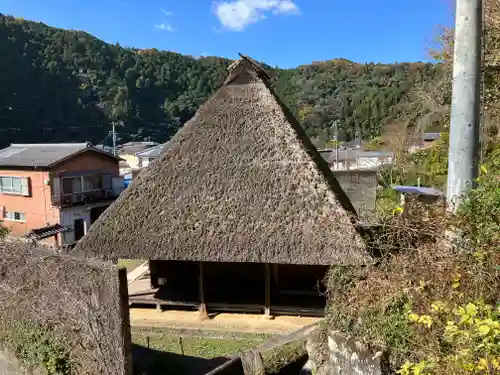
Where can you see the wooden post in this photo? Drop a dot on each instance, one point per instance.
(267, 304)
(125, 320)
(153, 273)
(56, 241)
(202, 310)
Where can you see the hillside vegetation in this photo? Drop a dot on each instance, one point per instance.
(432, 299)
(64, 85)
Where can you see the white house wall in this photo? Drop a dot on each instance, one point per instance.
(68, 217)
(144, 162)
(360, 164)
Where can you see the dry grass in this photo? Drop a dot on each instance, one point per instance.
(75, 302)
(418, 265)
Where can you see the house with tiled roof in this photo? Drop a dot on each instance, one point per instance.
(54, 192)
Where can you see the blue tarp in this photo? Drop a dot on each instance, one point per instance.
(127, 179)
(418, 190)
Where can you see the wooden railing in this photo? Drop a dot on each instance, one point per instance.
(64, 200)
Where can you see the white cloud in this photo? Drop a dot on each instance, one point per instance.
(237, 14)
(287, 6)
(166, 12)
(166, 27)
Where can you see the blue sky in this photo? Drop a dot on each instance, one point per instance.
(286, 33)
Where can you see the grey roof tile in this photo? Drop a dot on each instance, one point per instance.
(42, 154)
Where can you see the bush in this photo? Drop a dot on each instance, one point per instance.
(3, 231)
(432, 304)
(36, 348)
(470, 337)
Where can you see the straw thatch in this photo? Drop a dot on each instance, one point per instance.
(77, 300)
(240, 182)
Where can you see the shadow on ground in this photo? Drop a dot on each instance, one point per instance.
(155, 362)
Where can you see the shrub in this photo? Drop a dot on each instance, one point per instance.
(432, 304)
(3, 231)
(36, 348)
(471, 339)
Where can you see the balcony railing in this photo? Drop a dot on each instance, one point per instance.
(64, 200)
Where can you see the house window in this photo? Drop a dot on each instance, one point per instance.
(82, 184)
(15, 216)
(88, 183)
(67, 186)
(98, 182)
(14, 185)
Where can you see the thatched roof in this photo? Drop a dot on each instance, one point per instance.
(240, 182)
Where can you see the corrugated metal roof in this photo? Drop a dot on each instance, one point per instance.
(431, 136)
(41, 233)
(418, 190)
(152, 152)
(42, 154)
(352, 154)
(131, 148)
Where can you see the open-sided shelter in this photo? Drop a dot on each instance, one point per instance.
(239, 202)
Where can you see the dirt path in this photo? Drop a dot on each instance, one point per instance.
(248, 323)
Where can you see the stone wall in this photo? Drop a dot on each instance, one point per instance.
(331, 353)
(326, 353)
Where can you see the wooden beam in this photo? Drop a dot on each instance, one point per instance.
(201, 293)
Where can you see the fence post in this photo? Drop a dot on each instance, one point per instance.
(125, 321)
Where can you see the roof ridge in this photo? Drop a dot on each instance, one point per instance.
(254, 65)
(86, 144)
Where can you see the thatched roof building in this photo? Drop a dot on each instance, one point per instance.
(240, 182)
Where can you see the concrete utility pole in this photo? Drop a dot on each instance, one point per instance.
(336, 145)
(113, 135)
(466, 101)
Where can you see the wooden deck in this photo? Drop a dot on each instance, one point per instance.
(141, 293)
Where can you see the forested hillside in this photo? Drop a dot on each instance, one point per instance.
(62, 85)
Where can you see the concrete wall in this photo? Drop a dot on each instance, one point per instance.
(361, 188)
